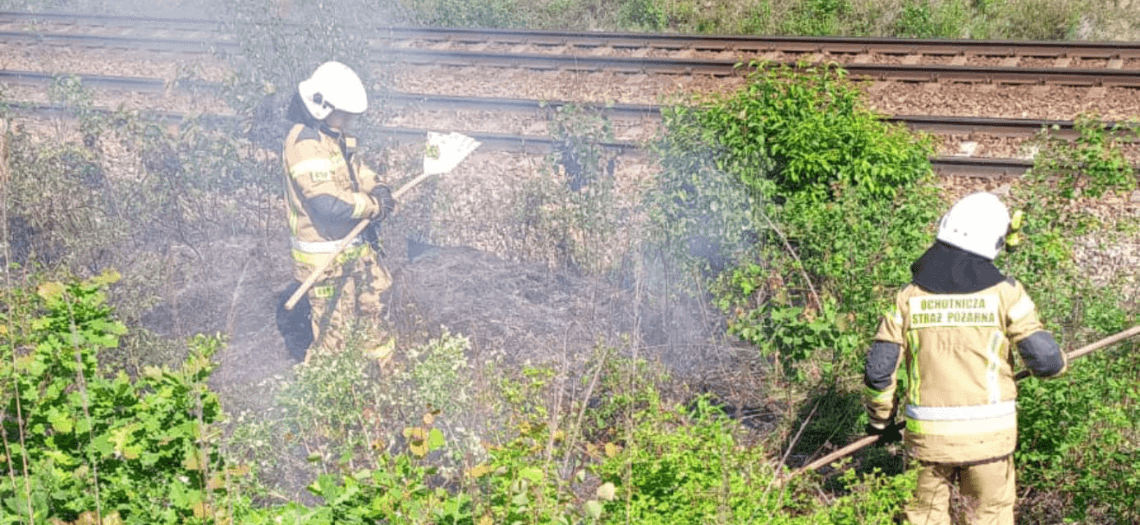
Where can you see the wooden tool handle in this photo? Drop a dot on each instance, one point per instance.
(344, 243)
(901, 425)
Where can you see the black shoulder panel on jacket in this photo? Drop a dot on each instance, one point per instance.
(1041, 354)
(331, 216)
(881, 363)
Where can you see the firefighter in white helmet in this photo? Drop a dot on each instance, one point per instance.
(956, 327)
(328, 190)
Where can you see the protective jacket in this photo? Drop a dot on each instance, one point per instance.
(953, 327)
(327, 192)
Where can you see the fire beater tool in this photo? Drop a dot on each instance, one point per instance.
(444, 153)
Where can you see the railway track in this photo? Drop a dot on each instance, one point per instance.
(619, 52)
(928, 123)
(1070, 50)
(943, 165)
(1058, 63)
(947, 166)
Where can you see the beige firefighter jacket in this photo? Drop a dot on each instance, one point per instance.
(960, 403)
(327, 193)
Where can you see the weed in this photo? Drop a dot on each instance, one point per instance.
(1043, 19)
(645, 14)
(1093, 402)
(460, 13)
(925, 19)
(817, 17)
(1092, 163)
(98, 446)
(573, 218)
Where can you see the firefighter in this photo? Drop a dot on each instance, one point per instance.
(955, 327)
(328, 190)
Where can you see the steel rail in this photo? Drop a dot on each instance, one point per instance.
(515, 105)
(630, 40)
(944, 166)
(170, 45)
(979, 167)
(578, 62)
(976, 167)
(1005, 127)
(112, 20)
(136, 84)
(637, 65)
(722, 68)
(791, 44)
(929, 123)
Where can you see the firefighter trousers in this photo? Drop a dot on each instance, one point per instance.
(988, 493)
(352, 295)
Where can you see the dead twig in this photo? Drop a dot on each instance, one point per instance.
(792, 446)
(5, 176)
(799, 263)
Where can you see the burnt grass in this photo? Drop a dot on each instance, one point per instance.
(515, 314)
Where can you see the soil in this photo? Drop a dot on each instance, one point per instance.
(513, 312)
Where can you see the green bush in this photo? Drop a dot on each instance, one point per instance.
(817, 17)
(80, 443)
(1078, 433)
(149, 449)
(125, 191)
(1078, 436)
(931, 19)
(467, 13)
(818, 206)
(697, 472)
(644, 14)
(580, 206)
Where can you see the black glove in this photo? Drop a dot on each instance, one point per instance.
(383, 196)
(371, 235)
(888, 434)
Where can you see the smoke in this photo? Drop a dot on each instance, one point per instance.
(539, 261)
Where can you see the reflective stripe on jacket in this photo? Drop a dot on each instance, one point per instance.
(960, 403)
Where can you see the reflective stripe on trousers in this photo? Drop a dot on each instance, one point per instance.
(313, 259)
(320, 246)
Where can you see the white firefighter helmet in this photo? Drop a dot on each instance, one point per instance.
(333, 86)
(977, 223)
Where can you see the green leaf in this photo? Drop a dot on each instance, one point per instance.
(594, 509)
(435, 439)
(60, 422)
(534, 474)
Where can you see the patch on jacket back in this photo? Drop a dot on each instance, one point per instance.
(953, 310)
